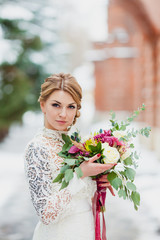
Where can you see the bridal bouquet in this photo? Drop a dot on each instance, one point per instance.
(115, 146)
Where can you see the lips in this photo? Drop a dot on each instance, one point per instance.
(61, 122)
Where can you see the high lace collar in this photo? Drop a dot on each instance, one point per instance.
(54, 134)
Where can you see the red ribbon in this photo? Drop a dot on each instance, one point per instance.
(98, 207)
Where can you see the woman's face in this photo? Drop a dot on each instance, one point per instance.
(59, 110)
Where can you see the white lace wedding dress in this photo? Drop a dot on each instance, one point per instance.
(64, 214)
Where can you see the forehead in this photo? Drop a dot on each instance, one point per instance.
(61, 96)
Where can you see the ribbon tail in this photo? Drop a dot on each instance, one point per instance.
(104, 236)
(96, 214)
(98, 227)
(98, 206)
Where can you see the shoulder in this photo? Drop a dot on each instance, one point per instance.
(36, 147)
(34, 143)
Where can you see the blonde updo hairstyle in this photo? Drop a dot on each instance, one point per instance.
(65, 82)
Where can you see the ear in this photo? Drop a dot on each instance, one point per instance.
(42, 105)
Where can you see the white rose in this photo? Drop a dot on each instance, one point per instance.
(119, 134)
(126, 154)
(111, 154)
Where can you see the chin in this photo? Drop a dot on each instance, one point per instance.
(61, 128)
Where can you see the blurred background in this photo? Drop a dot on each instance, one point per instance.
(113, 50)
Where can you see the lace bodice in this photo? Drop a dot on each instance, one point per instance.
(42, 165)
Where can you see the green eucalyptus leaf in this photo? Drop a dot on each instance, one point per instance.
(135, 207)
(111, 176)
(123, 128)
(116, 183)
(79, 172)
(70, 161)
(113, 115)
(64, 184)
(130, 119)
(145, 131)
(68, 175)
(122, 193)
(131, 186)
(130, 173)
(64, 168)
(136, 155)
(117, 126)
(128, 161)
(61, 154)
(135, 196)
(59, 177)
(143, 107)
(114, 180)
(131, 145)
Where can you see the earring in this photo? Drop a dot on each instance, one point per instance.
(69, 127)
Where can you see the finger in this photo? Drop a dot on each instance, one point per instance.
(105, 185)
(105, 166)
(94, 158)
(103, 181)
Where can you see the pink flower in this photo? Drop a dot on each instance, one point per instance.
(106, 137)
(116, 140)
(73, 149)
(101, 136)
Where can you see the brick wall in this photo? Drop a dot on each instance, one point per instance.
(123, 82)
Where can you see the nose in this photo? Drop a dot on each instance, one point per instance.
(63, 112)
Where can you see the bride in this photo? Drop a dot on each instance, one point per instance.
(65, 214)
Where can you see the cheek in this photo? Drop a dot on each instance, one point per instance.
(72, 115)
(51, 113)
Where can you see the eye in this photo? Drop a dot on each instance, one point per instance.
(72, 106)
(55, 105)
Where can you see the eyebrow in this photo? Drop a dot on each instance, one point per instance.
(60, 102)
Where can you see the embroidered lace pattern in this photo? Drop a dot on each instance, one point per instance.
(42, 165)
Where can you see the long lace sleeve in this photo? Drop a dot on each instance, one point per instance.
(51, 204)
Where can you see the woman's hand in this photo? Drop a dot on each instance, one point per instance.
(105, 183)
(89, 168)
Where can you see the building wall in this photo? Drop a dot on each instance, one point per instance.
(127, 80)
(124, 82)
